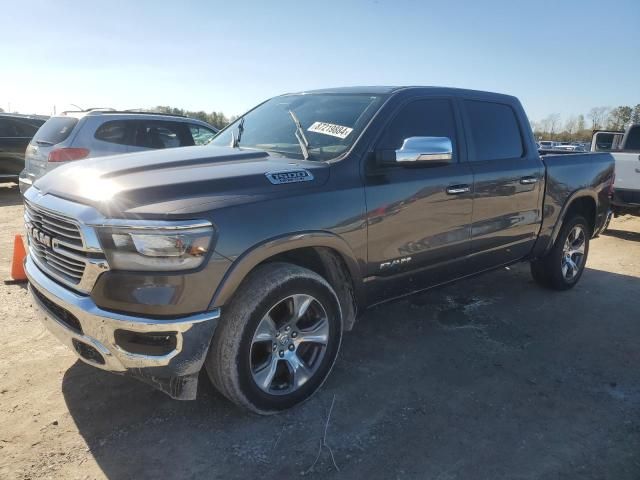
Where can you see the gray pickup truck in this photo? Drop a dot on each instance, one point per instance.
(251, 256)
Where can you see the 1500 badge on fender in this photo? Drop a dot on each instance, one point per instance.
(290, 176)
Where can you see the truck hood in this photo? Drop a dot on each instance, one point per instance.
(181, 181)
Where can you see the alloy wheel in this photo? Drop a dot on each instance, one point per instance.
(289, 344)
(573, 253)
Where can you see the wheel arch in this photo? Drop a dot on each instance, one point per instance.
(322, 252)
(583, 202)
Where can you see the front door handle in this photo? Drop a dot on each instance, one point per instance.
(528, 180)
(458, 189)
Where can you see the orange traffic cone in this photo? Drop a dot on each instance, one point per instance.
(17, 263)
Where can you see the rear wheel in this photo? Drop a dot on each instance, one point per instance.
(563, 266)
(277, 340)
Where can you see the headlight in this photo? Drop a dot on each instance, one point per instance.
(155, 249)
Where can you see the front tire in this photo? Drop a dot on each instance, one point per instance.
(278, 339)
(563, 265)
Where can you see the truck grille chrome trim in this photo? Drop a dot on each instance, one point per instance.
(56, 224)
(58, 242)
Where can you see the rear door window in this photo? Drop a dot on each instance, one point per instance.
(117, 131)
(55, 130)
(494, 130)
(159, 134)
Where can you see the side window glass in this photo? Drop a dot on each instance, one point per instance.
(23, 129)
(28, 130)
(200, 134)
(155, 134)
(633, 139)
(113, 132)
(15, 128)
(5, 128)
(420, 118)
(494, 130)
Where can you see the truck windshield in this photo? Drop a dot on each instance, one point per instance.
(330, 124)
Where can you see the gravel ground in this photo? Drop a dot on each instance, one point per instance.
(490, 378)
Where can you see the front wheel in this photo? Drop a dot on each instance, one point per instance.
(564, 264)
(277, 340)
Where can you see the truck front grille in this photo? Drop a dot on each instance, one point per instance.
(55, 242)
(58, 262)
(55, 225)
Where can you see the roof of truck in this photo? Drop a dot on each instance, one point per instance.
(386, 90)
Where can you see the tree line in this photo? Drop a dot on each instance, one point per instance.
(580, 127)
(217, 119)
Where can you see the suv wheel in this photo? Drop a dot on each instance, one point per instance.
(563, 266)
(277, 340)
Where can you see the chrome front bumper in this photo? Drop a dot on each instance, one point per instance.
(92, 336)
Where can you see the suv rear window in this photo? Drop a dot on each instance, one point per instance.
(15, 128)
(55, 130)
(495, 131)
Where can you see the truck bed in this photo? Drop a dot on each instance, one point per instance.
(567, 174)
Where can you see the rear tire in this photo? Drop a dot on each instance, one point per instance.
(563, 265)
(277, 340)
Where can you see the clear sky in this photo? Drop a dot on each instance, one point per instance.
(557, 57)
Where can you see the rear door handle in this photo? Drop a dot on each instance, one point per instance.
(458, 189)
(528, 180)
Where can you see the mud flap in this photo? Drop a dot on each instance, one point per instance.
(184, 387)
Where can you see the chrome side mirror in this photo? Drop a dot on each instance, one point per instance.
(425, 149)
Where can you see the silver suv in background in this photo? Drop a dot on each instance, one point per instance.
(99, 132)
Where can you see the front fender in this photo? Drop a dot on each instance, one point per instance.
(257, 254)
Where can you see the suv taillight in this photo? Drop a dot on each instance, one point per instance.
(67, 154)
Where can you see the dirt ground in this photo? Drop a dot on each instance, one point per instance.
(491, 378)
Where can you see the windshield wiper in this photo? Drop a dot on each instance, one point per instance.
(44, 142)
(235, 141)
(302, 140)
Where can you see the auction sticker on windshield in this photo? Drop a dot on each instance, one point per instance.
(330, 129)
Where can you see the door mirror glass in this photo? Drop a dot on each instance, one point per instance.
(418, 150)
